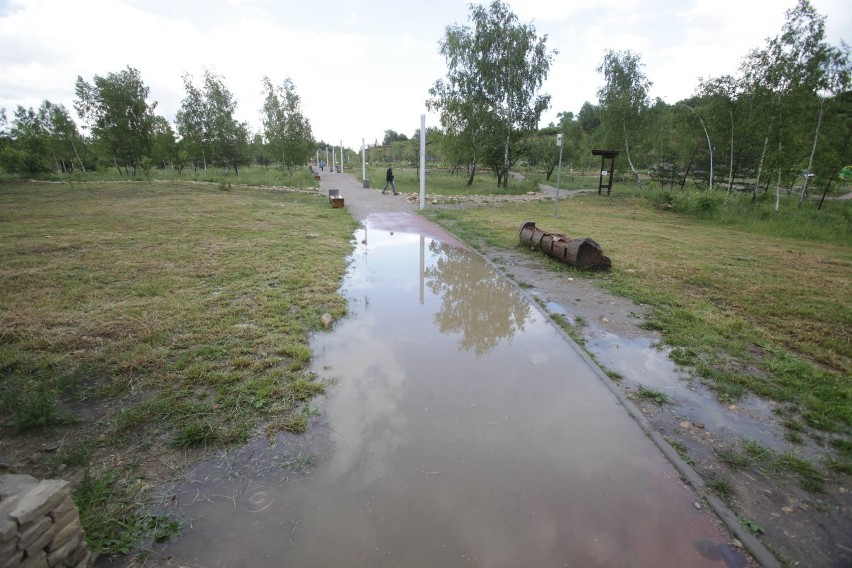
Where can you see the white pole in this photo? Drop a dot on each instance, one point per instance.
(422, 160)
(341, 156)
(363, 160)
(326, 155)
(317, 157)
(558, 175)
(333, 158)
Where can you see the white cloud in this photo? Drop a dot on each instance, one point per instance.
(362, 67)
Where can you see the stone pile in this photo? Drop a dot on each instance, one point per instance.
(40, 525)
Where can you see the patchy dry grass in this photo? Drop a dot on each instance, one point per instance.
(143, 320)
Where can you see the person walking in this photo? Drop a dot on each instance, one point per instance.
(389, 181)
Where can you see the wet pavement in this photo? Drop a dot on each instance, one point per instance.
(462, 429)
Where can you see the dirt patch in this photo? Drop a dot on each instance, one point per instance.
(801, 527)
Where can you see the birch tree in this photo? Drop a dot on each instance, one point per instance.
(287, 130)
(491, 97)
(116, 110)
(623, 100)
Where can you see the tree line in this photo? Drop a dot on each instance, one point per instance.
(783, 119)
(121, 129)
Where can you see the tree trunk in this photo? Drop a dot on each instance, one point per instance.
(813, 151)
(471, 170)
(629, 161)
(760, 165)
(828, 185)
(506, 160)
(73, 147)
(778, 183)
(688, 167)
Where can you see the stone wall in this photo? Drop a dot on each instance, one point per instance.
(40, 525)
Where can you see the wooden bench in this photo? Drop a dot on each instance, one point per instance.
(335, 198)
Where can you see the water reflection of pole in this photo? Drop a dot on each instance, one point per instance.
(422, 265)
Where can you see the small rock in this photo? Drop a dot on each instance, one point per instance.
(697, 506)
(787, 510)
(605, 320)
(102, 438)
(698, 424)
(570, 279)
(326, 320)
(684, 424)
(736, 542)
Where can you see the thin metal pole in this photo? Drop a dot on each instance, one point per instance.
(422, 160)
(363, 160)
(558, 178)
(341, 156)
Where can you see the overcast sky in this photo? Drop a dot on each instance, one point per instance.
(365, 66)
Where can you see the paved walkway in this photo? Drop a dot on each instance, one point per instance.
(362, 202)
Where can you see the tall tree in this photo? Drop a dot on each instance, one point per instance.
(589, 117)
(623, 99)
(116, 110)
(287, 130)
(164, 151)
(228, 138)
(718, 97)
(491, 97)
(191, 124)
(796, 70)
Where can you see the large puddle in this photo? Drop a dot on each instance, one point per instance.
(462, 430)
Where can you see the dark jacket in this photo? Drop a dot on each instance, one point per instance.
(389, 176)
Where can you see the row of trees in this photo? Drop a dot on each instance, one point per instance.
(785, 117)
(788, 111)
(121, 129)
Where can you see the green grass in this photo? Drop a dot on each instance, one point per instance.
(150, 318)
(442, 182)
(254, 175)
(657, 396)
(749, 454)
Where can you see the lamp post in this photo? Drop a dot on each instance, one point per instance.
(558, 175)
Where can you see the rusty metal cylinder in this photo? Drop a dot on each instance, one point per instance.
(579, 252)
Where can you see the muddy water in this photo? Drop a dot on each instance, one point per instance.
(462, 430)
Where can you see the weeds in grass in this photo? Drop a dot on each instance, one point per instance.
(114, 525)
(657, 396)
(753, 527)
(681, 450)
(752, 454)
(196, 434)
(614, 375)
(722, 487)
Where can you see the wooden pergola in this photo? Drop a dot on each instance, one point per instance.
(606, 154)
